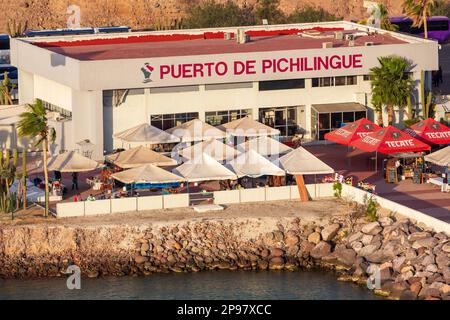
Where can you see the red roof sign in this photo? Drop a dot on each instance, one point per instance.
(389, 140)
(430, 131)
(352, 131)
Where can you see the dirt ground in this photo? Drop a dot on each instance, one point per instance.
(312, 210)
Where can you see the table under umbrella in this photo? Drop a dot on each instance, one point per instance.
(430, 131)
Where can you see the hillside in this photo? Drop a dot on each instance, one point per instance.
(46, 14)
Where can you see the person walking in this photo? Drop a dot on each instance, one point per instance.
(75, 181)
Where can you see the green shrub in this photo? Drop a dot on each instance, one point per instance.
(337, 188)
(311, 14)
(371, 209)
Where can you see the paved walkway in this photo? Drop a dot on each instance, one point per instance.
(426, 198)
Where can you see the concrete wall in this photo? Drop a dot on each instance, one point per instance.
(226, 197)
(253, 195)
(97, 207)
(354, 194)
(176, 201)
(278, 193)
(149, 203)
(123, 205)
(70, 209)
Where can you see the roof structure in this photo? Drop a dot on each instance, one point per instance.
(139, 156)
(300, 161)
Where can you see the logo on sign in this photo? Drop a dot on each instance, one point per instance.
(147, 70)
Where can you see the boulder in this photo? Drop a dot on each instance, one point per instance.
(415, 288)
(428, 242)
(446, 247)
(418, 235)
(346, 256)
(276, 263)
(277, 252)
(372, 228)
(385, 221)
(442, 260)
(330, 231)
(368, 250)
(431, 268)
(291, 240)
(376, 257)
(314, 237)
(140, 259)
(392, 249)
(355, 237)
(357, 246)
(398, 263)
(366, 239)
(321, 250)
(429, 292)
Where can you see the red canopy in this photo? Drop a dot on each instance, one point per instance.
(352, 131)
(430, 131)
(390, 140)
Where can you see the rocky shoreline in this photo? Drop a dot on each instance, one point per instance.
(411, 261)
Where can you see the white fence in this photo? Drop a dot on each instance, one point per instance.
(354, 194)
(88, 208)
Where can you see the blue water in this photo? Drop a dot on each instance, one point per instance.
(304, 285)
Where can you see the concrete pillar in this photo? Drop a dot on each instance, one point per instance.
(87, 119)
(26, 87)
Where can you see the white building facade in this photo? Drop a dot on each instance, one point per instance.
(311, 82)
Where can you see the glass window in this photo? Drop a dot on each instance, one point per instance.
(360, 115)
(352, 80)
(336, 120)
(340, 81)
(216, 118)
(167, 121)
(282, 84)
(281, 118)
(322, 134)
(315, 82)
(348, 117)
(327, 82)
(324, 121)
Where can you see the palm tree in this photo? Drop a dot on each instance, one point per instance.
(391, 84)
(385, 22)
(418, 11)
(34, 124)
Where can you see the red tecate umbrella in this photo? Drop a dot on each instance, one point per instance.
(389, 140)
(430, 131)
(352, 131)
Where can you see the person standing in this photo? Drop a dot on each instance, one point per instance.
(75, 181)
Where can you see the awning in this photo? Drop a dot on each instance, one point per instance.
(339, 107)
(214, 148)
(265, 146)
(247, 127)
(196, 130)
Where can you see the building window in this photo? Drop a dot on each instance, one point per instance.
(281, 118)
(334, 81)
(216, 118)
(167, 121)
(368, 77)
(228, 86)
(282, 84)
(322, 123)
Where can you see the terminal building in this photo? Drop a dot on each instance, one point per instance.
(299, 77)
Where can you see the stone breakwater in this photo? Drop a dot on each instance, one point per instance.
(412, 262)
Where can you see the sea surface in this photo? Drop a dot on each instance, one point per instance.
(304, 285)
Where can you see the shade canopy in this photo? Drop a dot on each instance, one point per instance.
(139, 156)
(196, 130)
(247, 127)
(203, 168)
(352, 131)
(430, 131)
(72, 162)
(389, 140)
(300, 161)
(146, 133)
(252, 164)
(214, 148)
(440, 157)
(147, 174)
(265, 146)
